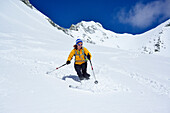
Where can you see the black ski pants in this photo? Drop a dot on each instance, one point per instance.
(82, 71)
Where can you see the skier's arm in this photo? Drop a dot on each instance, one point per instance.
(88, 54)
(71, 55)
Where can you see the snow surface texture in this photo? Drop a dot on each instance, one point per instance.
(129, 82)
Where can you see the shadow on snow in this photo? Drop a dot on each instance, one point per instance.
(74, 77)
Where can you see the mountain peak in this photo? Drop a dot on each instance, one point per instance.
(86, 25)
(90, 23)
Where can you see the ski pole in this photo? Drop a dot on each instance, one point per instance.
(60, 66)
(55, 69)
(48, 72)
(93, 73)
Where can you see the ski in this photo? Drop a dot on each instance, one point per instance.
(74, 87)
(85, 85)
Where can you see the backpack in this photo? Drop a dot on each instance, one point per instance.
(85, 57)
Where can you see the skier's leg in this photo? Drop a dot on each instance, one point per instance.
(79, 72)
(84, 70)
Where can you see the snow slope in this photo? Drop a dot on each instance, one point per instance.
(129, 82)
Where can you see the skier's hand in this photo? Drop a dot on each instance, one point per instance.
(68, 62)
(88, 56)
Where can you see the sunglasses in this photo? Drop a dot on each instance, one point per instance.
(79, 44)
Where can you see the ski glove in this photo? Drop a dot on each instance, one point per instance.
(68, 62)
(88, 56)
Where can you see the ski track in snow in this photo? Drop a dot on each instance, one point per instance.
(150, 83)
(106, 81)
(154, 85)
(105, 84)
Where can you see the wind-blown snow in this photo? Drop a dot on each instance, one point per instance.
(129, 82)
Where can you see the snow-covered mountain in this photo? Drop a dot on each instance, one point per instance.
(129, 82)
(155, 40)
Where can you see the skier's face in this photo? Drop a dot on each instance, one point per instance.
(79, 45)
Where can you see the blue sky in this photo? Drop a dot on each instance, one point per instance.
(120, 16)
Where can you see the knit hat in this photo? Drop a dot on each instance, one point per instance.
(78, 40)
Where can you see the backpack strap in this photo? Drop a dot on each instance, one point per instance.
(85, 57)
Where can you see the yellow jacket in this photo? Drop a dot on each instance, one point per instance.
(79, 55)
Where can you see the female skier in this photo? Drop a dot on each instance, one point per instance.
(81, 56)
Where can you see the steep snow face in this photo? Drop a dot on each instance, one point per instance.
(24, 25)
(155, 40)
(158, 39)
